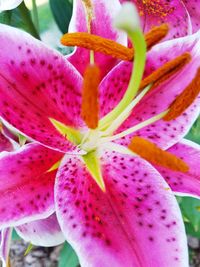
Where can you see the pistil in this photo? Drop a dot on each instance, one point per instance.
(128, 21)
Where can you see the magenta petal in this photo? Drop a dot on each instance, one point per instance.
(26, 186)
(5, 239)
(37, 83)
(165, 134)
(5, 144)
(136, 222)
(184, 183)
(104, 12)
(192, 7)
(173, 13)
(45, 232)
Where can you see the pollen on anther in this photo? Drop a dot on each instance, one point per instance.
(185, 99)
(90, 105)
(110, 47)
(166, 71)
(155, 155)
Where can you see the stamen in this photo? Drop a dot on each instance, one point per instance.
(90, 105)
(97, 44)
(156, 34)
(134, 128)
(166, 71)
(155, 155)
(109, 47)
(89, 17)
(185, 99)
(128, 20)
(124, 115)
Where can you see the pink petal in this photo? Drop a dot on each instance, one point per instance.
(165, 134)
(192, 7)
(45, 232)
(26, 186)
(5, 240)
(184, 183)
(104, 12)
(173, 13)
(5, 144)
(37, 83)
(136, 222)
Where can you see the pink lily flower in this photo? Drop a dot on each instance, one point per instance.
(112, 205)
(182, 16)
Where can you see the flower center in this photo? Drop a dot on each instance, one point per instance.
(101, 132)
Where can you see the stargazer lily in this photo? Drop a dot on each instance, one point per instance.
(103, 142)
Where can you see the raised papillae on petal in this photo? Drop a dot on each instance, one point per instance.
(136, 223)
(110, 47)
(166, 71)
(154, 154)
(185, 99)
(90, 105)
(37, 83)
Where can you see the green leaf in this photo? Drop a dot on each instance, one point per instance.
(68, 257)
(62, 12)
(5, 17)
(194, 133)
(28, 250)
(190, 208)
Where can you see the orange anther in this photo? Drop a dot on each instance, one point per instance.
(90, 105)
(166, 71)
(155, 155)
(185, 99)
(155, 35)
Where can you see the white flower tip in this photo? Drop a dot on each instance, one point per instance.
(9, 4)
(128, 18)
